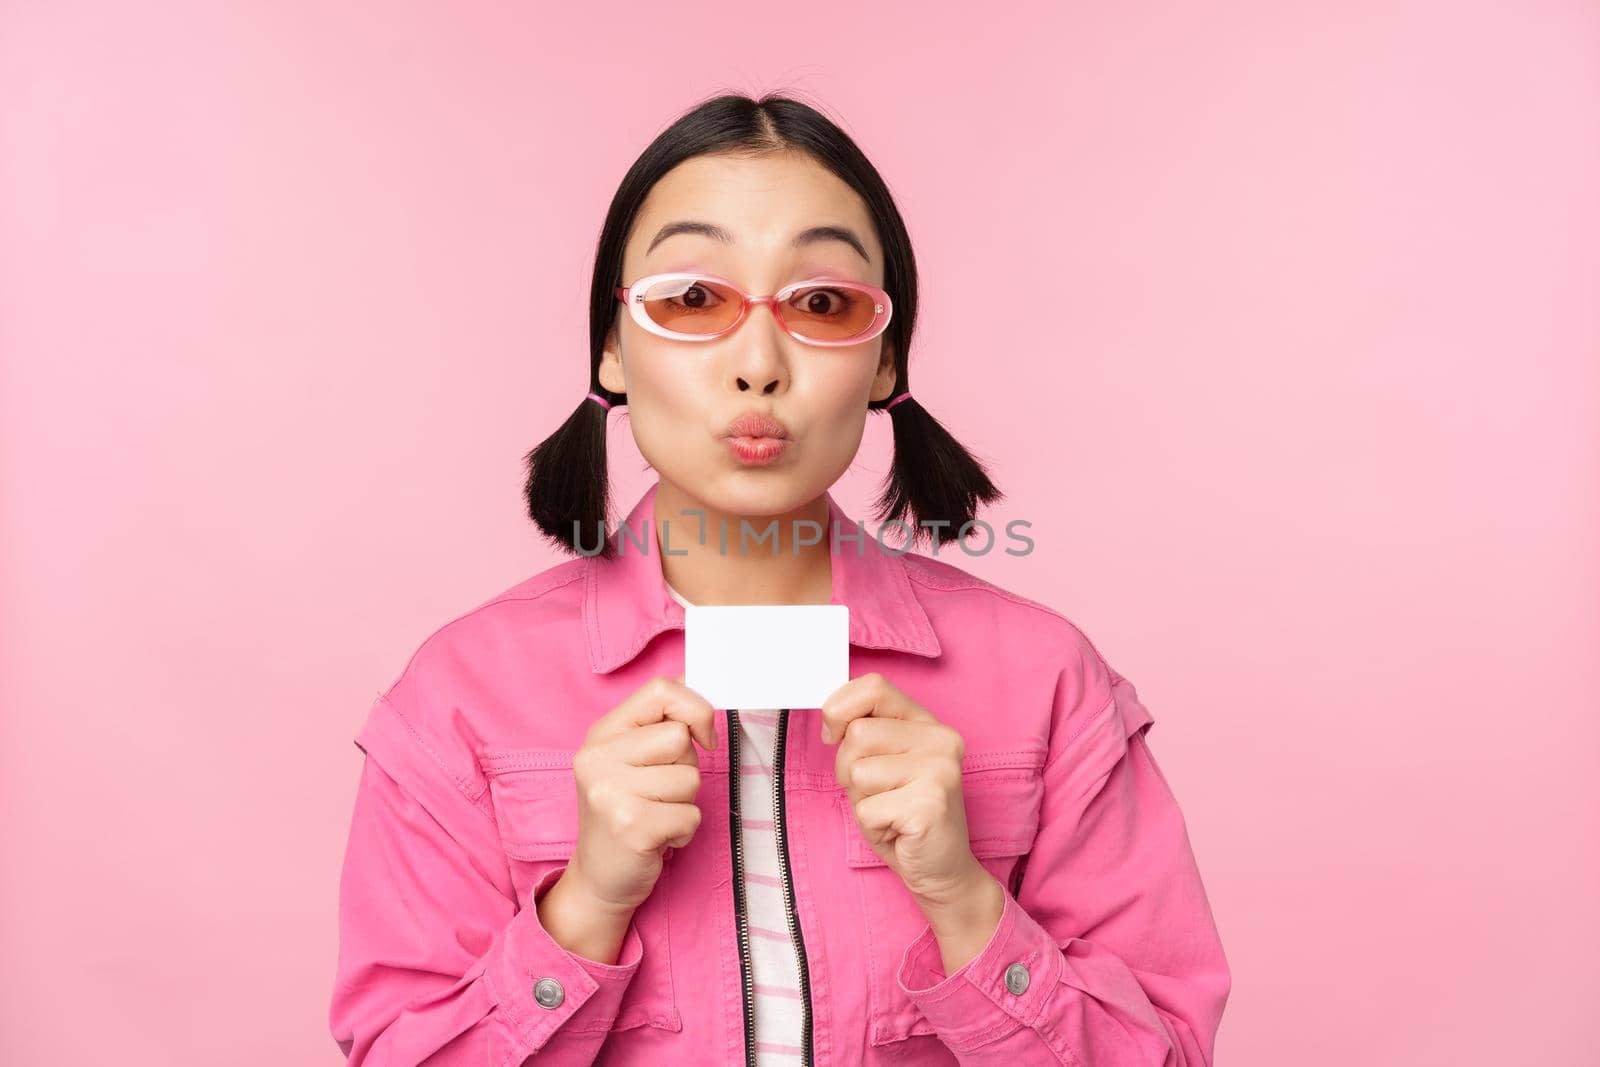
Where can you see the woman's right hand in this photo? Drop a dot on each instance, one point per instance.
(637, 775)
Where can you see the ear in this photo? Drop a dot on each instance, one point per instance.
(611, 372)
(883, 384)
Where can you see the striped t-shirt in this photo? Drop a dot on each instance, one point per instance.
(774, 967)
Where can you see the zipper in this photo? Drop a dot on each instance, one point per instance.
(741, 920)
(780, 823)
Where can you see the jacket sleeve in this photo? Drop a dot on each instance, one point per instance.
(437, 963)
(1124, 964)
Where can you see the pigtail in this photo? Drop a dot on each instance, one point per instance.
(568, 488)
(934, 478)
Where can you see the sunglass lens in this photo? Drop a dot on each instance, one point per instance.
(829, 313)
(692, 305)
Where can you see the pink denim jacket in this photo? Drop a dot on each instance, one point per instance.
(1106, 953)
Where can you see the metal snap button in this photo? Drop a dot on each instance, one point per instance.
(1017, 978)
(548, 992)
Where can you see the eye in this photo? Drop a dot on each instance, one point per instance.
(822, 301)
(696, 297)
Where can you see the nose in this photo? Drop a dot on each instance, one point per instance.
(767, 387)
(759, 364)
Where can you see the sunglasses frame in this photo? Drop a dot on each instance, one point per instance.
(632, 297)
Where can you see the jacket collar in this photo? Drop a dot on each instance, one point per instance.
(626, 602)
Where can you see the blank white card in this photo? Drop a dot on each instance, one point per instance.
(766, 655)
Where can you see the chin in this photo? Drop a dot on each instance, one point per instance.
(759, 492)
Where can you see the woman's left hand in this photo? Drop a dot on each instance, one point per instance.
(901, 767)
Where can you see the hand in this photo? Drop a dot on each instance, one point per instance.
(637, 776)
(901, 768)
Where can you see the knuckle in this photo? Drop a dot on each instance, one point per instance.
(625, 816)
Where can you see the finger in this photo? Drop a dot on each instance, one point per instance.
(877, 774)
(652, 825)
(670, 783)
(659, 699)
(678, 823)
(869, 694)
(667, 741)
(874, 737)
(883, 816)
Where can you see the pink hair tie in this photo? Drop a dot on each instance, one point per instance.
(896, 400)
(602, 401)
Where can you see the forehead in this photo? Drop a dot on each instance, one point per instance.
(762, 203)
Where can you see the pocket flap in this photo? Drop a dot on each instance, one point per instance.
(535, 794)
(1001, 792)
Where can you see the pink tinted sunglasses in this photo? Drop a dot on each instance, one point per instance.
(703, 307)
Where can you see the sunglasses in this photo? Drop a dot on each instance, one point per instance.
(703, 307)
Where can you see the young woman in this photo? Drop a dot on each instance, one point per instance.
(560, 854)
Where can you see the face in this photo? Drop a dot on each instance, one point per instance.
(683, 394)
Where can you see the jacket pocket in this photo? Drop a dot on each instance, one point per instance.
(1001, 792)
(535, 796)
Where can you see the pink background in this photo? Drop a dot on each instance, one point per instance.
(1300, 393)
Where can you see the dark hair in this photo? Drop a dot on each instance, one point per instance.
(933, 477)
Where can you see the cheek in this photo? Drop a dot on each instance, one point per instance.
(836, 428)
(836, 395)
(837, 377)
(668, 401)
(668, 388)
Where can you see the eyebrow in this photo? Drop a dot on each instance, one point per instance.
(805, 237)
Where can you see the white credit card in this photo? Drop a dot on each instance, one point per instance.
(766, 655)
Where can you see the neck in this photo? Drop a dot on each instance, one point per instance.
(776, 570)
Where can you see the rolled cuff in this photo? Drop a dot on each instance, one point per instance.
(974, 1005)
(592, 991)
